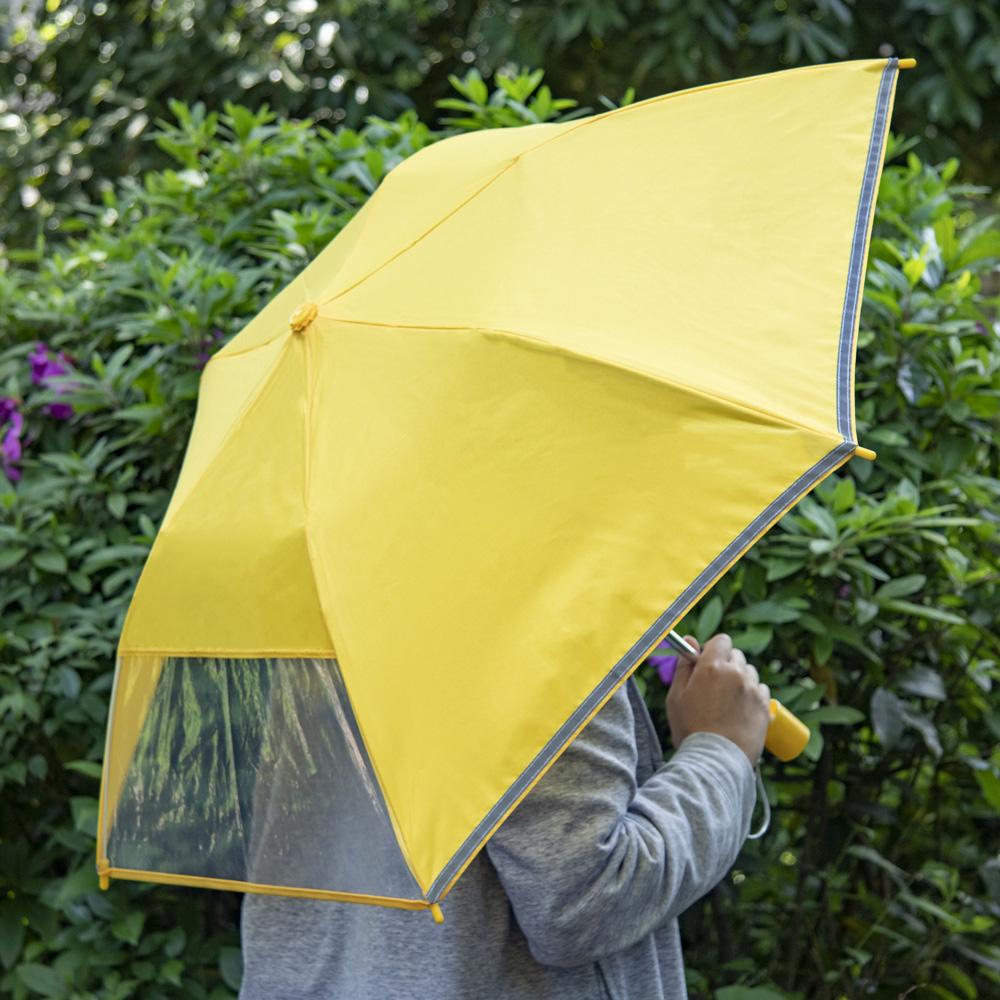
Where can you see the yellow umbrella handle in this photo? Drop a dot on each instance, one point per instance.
(787, 735)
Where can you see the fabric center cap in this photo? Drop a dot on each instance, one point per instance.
(302, 316)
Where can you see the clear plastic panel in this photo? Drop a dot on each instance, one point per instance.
(250, 770)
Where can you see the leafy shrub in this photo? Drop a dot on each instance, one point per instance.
(870, 608)
(81, 84)
(152, 279)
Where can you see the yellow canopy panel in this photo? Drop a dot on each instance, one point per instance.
(452, 484)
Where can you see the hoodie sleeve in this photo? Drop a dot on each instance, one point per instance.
(592, 862)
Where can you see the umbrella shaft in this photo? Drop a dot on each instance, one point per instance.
(681, 644)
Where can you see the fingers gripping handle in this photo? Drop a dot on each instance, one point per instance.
(787, 735)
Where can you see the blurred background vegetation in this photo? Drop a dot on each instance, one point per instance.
(168, 166)
(81, 83)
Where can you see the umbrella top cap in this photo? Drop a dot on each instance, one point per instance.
(302, 316)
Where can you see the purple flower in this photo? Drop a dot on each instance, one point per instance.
(10, 449)
(61, 411)
(844, 592)
(8, 405)
(666, 666)
(44, 368)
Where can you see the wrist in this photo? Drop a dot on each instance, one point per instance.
(702, 737)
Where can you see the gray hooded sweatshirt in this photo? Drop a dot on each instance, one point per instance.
(576, 895)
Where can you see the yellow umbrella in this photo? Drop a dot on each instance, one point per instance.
(457, 479)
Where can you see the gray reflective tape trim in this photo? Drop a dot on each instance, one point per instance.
(869, 187)
(840, 454)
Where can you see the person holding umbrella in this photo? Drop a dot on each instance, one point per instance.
(577, 894)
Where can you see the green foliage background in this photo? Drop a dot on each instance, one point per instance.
(82, 82)
(870, 608)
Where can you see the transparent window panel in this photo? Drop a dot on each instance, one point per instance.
(250, 770)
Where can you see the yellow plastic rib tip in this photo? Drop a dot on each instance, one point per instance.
(103, 878)
(437, 914)
(302, 316)
(907, 63)
(865, 453)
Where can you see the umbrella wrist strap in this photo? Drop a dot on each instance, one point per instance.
(762, 797)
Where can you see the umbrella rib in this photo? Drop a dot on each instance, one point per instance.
(219, 356)
(564, 131)
(306, 488)
(888, 76)
(610, 362)
(423, 235)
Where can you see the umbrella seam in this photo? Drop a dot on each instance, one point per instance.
(609, 361)
(554, 748)
(246, 350)
(306, 486)
(590, 120)
(399, 253)
(223, 352)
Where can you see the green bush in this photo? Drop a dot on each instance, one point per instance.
(870, 608)
(82, 83)
(154, 278)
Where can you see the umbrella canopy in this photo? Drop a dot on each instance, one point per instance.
(457, 479)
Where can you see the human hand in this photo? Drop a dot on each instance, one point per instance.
(719, 692)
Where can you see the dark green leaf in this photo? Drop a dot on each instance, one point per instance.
(50, 562)
(42, 979)
(231, 967)
(888, 717)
